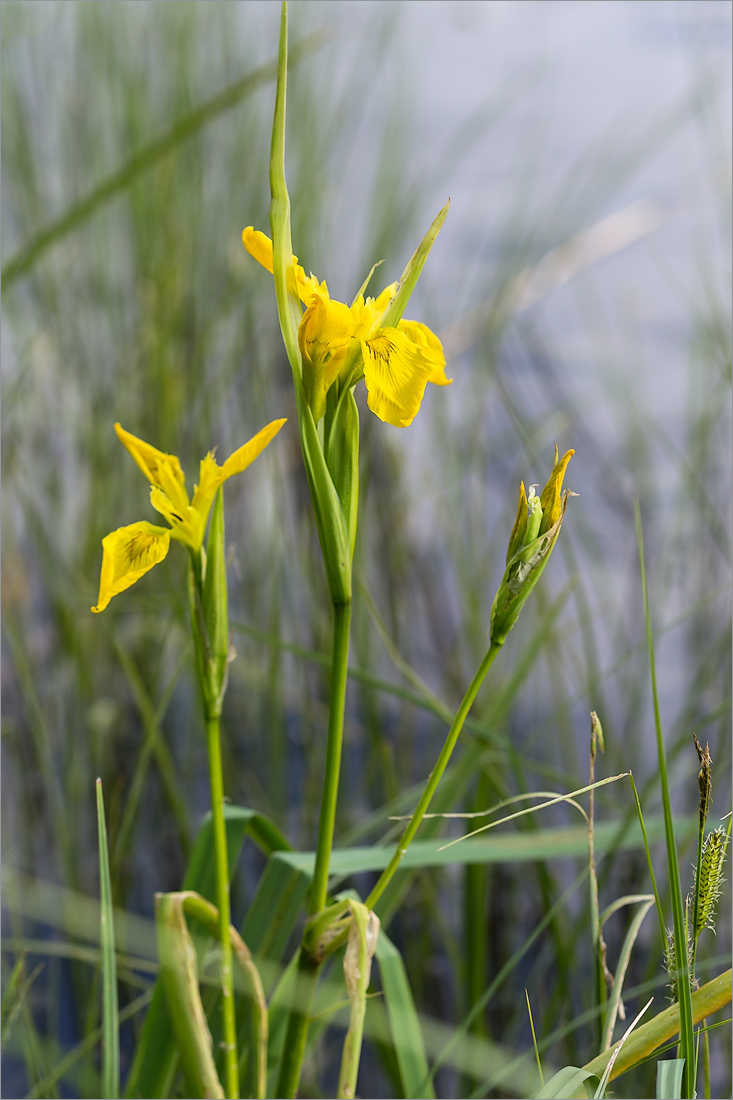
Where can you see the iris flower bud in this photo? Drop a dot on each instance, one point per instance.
(533, 536)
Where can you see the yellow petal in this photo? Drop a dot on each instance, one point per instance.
(211, 475)
(260, 247)
(396, 372)
(324, 336)
(367, 313)
(248, 452)
(550, 501)
(423, 336)
(127, 554)
(162, 470)
(185, 521)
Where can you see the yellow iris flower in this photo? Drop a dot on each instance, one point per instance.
(130, 552)
(397, 362)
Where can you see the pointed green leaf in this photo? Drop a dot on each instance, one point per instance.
(569, 1081)
(669, 1078)
(404, 1022)
(409, 277)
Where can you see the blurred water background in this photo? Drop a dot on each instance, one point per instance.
(581, 286)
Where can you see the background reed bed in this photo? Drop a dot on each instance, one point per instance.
(581, 287)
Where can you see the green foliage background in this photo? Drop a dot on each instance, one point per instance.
(144, 308)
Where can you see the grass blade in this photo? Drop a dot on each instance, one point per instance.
(680, 931)
(566, 1082)
(110, 1011)
(141, 162)
(180, 980)
(614, 1000)
(669, 1078)
(156, 1057)
(645, 1039)
(404, 1022)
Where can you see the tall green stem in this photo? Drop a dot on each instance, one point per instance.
(213, 684)
(329, 796)
(435, 776)
(226, 977)
(308, 966)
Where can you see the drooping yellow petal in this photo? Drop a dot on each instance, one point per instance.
(259, 247)
(551, 498)
(161, 470)
(423, 336)
(127, 554)
(324, 337)
(396, 372)
(211, 476)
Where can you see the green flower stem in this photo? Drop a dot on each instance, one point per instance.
(226, 977)
(435, 776)
(211, 695)
(327, 822)
(308, 963)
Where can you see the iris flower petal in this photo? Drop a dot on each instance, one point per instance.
(324, 336)
(128, 554)
(211, 475)
(425, 338)
(259, 247)
(396, 372)
(161, 470)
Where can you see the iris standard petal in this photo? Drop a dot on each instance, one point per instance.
(211, 475)
(396, 372)
(367, 313)
(245, 455)
(423, 336)
(127, 554)
(551, 499)
(324, 336)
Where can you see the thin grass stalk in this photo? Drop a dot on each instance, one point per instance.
(598, 943)
(434, 779)
(110, 1008)
(683, 973)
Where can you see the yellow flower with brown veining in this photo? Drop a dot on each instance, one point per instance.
(349, 343)
(130, 552)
